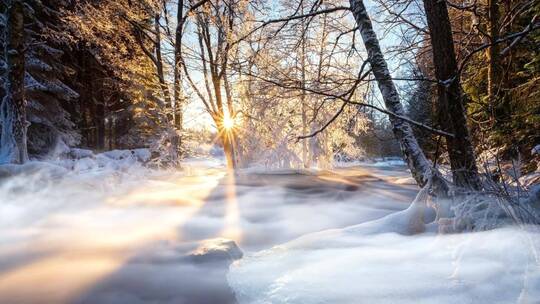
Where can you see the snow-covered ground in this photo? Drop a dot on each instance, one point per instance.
(102, 233)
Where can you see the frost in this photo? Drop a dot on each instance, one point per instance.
(36, 64)
(32, 85)
(535, 150)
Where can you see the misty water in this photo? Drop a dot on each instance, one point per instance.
(129, 234)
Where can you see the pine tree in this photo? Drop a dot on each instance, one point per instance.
(13, 144)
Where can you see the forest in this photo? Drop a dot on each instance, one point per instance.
(269, 151)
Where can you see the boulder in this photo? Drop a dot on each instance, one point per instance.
(218, 250)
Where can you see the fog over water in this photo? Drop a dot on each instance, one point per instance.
(131, 235)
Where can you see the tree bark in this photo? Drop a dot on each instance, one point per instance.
(303, 93)
(178, 94)
(450, 96)
(494, 70)
(232, 139)
(418, 164)
(228, 148)
(160, 71)
(14, 123)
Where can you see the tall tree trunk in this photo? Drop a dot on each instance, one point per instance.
(450, 96)
(228, 148)
(416, 160)
(101, 113)
(14, 124)
(315, 144)
(232, 139)
(160, 71)
(494, 70)
(303, 86)
(227, 136)
(178, 94)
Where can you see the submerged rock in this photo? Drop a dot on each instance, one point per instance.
(216, 250)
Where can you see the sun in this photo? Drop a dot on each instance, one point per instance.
(228, 123)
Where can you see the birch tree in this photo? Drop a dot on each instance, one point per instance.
(178, 92)
(418, 164)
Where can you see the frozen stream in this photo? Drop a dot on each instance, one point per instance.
(109, 235)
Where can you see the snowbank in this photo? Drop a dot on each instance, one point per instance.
(352, 266)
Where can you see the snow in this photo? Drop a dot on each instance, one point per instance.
(142, 155)
(530, 179)
(399, 258)
(349, 267)
(80, 153)
(379, 163)
(535, 150)
(105, 229)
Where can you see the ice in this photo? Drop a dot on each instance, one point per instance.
(349, 266)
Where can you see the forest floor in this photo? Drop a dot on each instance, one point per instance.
(134, 236)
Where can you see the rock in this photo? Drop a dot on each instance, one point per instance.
(216, 250)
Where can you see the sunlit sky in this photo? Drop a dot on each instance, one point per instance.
(196, 116)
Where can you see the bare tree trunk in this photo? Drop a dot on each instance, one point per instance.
(159, 67)
(3, 7)
(303, 96)
(101, 113)
(227, 136)
(14, 124)
(228, 148)
(494, 71)
(416, 160)
(314, 156)
(450, 97)
(178, 94)
(214, 59)
(231, 138)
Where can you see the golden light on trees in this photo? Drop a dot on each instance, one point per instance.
(228, 123)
